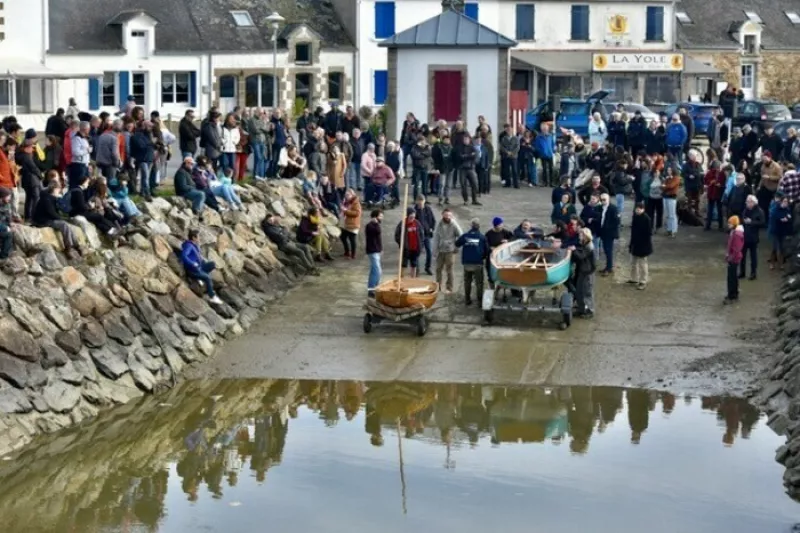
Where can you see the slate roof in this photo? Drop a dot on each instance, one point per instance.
(84, 26)
(448, 29)
(715, 20)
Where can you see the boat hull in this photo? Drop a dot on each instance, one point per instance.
(409, 293)
(505, 267)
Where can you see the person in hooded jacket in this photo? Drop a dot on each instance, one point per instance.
(753, 220)
(737, 197)
(780, 229)
(733, 257)
(676, 137)
(637, 133)
(583, 257)
(640, 246)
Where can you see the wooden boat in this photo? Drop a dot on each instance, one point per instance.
(530, 264)
(407, 292)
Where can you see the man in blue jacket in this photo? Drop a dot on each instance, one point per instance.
(676, 137)
(143, 153)
(474, 250)
(196, 267)
(544, 145)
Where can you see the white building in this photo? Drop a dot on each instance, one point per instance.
(563, 46)
(448, 84)
(175, 55)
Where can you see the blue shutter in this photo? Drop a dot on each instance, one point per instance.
(193, 89)
(381, 86)
(655, 23)
(94, 94)
(124, 87)
(526, 16)
(580, 23)
(384, 20)
(471, 10)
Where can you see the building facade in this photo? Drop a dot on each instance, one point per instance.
(754, 43)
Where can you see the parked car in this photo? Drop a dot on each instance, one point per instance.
(700, 113)
(760, 114)
(573, 115)
(795, 110)
(631, 108)
(782, 128)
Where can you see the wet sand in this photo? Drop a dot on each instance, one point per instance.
(675, 335)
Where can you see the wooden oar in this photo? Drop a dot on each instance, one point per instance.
(402, 237)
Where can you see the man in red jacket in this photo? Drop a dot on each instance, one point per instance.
(734, 257)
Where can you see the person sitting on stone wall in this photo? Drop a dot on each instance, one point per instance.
(196, 267)
(185, 187)
(310, 233)
(7, 221)
(299, 253)
(46, 216)
(81, 210)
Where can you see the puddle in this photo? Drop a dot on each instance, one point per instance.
(256, 455)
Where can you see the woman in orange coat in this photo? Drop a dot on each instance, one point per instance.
(336, 167)
(351, 210)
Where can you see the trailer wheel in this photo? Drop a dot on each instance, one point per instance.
(422, 326)
(566, 310)
(367, 323)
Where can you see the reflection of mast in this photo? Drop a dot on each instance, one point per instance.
(402, 471)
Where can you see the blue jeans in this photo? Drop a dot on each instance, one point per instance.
(227, 193)
(620, 204)
(420, 181)
(354, 180)
(380, 192)
(608, 249)
(596, 246)
(144, 178)
(204, 274)
(198, 199)
(259, 159)
(714, 208)
(533, 177)
(509, 172)
(427, 243)
(227, 160)
(406, 154)
(374, 271)
(128, 208)
(671, 214)
(367, 188)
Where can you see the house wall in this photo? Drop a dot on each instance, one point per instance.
(771, 68)
(24, 30)
(414, 67)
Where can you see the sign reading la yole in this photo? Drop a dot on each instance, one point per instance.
(637, 62)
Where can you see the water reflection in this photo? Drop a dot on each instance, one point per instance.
(116, 471)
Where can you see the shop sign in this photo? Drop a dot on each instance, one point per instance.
(617, 28)
(637, 62)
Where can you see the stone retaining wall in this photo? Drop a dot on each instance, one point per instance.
(76, 337)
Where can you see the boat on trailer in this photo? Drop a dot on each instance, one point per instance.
(530, 264)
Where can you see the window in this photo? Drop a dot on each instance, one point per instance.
(684, 18)
(174, 87)
(384, 19)
(302, 88)
(259, 91)
(227, 87)
(335, 89)
(525, 22)
(747, 77)
(750, 44)
(752, 16)
(381, 89)
(242, 19)
(793, 17)
(655, 23)
(138, 34)
(302, 53)
(109, 89)
(139, 88)
(471, 10)
(33, 96)
(580, 23)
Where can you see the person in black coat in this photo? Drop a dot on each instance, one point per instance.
(641, 246)
(609, 231)
(188, 134)
(753, 220)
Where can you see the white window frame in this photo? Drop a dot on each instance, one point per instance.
(751, 77)
(752, 16)
(310, 53)
(144, 87)
(793, 16)
(109, 78)
(242, 19)
(341, 85)
(683, 17)
(173, 93)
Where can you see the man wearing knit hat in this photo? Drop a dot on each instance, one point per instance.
(473, 253)
(734, 257)
(445, 236)
(497, 235)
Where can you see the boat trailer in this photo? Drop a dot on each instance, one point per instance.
(524, 299)
(377, 313)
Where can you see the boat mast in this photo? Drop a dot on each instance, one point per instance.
(402, 236)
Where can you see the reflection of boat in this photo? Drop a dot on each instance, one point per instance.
(407, 292)
(528, 420)
(397, 400)
(529, 264)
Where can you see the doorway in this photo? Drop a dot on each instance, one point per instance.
(228, 93)
(139, 43)
(447, 95)
(302, 89)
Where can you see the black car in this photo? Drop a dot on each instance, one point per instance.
(760, 114)
(795, 110)
(782, 128)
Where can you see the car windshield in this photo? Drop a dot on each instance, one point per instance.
(704, 111)
(574, 108)
(777, 109)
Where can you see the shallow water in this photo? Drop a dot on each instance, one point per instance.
(269, 455)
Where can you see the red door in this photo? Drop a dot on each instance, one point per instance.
(447, 95)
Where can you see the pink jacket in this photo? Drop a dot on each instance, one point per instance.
(382, 176)
(735, 245)
(367, 164)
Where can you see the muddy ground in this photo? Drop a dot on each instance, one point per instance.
(675, 335)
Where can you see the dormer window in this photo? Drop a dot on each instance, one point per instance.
(793, 17)
(242, 19)
(752, 16)
(684, 18)
(302, 53)
(750, 44)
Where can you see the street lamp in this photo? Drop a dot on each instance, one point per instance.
(275, 21)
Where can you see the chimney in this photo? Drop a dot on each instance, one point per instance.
(455, 5)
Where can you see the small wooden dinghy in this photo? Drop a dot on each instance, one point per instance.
(525, 263)
(407, 292)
